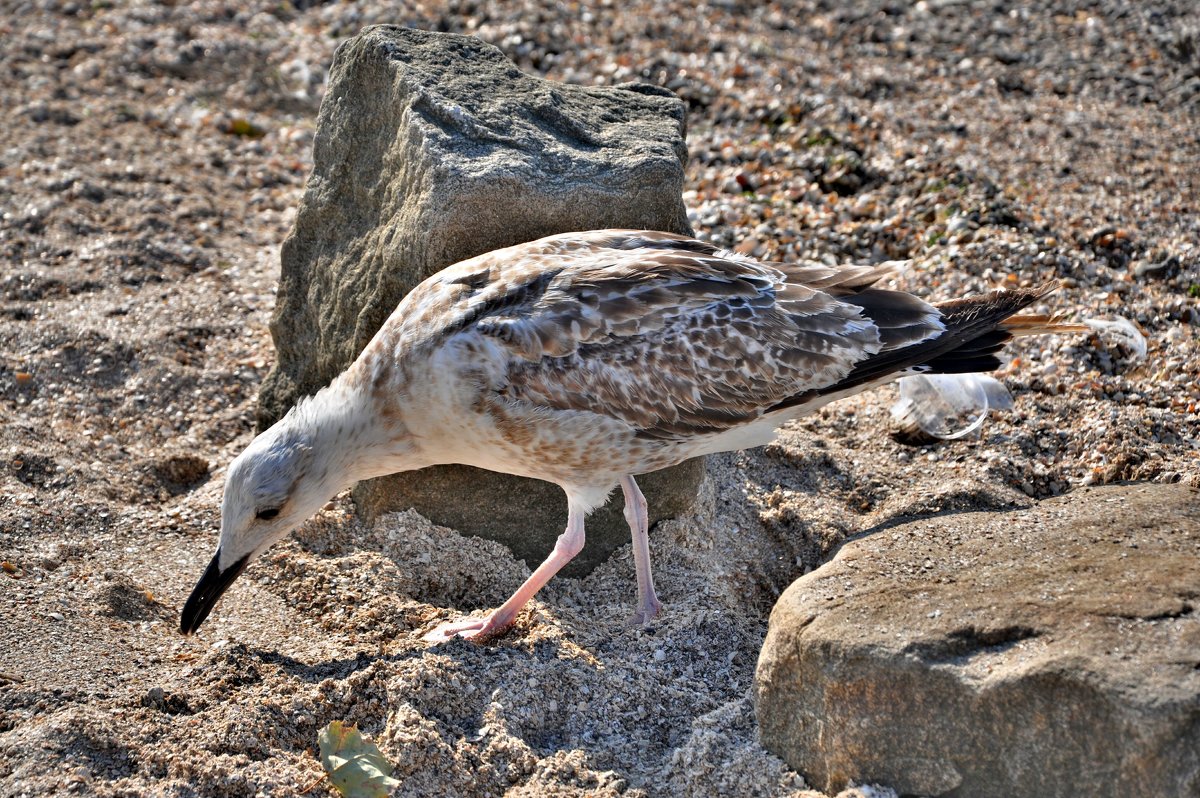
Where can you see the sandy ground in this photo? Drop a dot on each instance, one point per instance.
(151, 160)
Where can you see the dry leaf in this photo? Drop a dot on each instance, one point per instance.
(354, 764)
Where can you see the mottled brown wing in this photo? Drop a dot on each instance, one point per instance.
(671, 335)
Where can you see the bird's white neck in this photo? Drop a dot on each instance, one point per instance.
(352, 439)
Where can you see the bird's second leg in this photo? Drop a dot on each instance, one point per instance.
(569, 544)
(648, 605)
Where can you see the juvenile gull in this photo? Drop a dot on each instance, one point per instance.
(584, 359)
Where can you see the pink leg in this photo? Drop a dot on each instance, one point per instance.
(639, 522)
(569, 544)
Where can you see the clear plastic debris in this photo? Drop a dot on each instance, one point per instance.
(947, 406)
(1124, 331)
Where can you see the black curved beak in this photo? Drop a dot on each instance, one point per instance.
(204, 597)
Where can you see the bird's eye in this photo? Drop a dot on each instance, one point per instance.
(268, 514)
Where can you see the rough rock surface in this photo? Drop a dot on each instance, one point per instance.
(1049, 652)
(432, 148)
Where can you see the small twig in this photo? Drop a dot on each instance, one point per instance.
(314, 784)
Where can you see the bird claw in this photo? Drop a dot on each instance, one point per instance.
(644, 614)
(477, 630)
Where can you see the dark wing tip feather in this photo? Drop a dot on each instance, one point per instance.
(974, 331)
(902, 319)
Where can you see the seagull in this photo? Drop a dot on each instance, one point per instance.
(585, 359)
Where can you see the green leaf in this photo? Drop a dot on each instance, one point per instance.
(354, 764)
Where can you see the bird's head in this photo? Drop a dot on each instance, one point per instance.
(270, 489)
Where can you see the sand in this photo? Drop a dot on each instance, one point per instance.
(152, 160)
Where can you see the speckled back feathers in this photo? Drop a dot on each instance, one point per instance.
(670, 335)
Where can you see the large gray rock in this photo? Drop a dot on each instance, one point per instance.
(432, 148)
(1048, 652)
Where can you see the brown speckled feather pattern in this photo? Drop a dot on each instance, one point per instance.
(667, 334)
(587, 358)
(582, 358)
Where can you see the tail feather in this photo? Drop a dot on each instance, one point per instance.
(1040, 324)
(976, 329)
(973, 333)
(976, 355)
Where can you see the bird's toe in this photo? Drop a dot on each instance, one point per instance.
(453, 629)
(477, 630)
